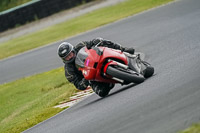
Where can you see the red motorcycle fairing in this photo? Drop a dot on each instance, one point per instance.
(92, 62)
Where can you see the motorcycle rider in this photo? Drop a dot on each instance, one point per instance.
(67, 52)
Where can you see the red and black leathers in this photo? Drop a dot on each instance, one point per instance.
(72, 74)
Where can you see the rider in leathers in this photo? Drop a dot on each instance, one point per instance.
(68, 54)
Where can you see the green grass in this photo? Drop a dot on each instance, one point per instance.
(7, 4)
(77, 25)
(193, 129)
(28, 101)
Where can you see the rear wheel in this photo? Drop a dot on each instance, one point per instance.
(125, 75)
(102, 89)
(148, 72)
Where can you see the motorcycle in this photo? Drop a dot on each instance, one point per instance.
(111, 66)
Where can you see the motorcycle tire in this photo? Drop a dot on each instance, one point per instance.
(148, 72)
(102, 89)
(103, 92)
(127, 77)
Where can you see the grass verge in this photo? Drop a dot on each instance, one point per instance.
(77, 25)
(193, 129)
(28, 101)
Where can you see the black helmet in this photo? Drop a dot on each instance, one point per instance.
(65, 50)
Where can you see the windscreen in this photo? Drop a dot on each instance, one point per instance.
(80, 58)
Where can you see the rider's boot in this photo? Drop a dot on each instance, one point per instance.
(128, 50)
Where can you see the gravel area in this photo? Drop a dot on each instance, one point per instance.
(55, 19)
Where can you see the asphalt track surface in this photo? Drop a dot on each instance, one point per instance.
(165, 103)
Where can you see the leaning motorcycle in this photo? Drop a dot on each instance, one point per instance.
(109, 66)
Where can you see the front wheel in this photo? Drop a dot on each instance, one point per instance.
(124, 75)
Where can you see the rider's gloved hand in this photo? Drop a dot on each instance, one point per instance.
(83, 84)
(97, 41)
(89, 45)
(128, 50)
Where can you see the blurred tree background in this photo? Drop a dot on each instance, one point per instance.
(7, 4)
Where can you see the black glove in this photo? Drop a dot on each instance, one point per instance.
(97, 41)
(83, 84)
(128, 50)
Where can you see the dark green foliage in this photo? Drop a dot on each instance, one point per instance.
(7, 4)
